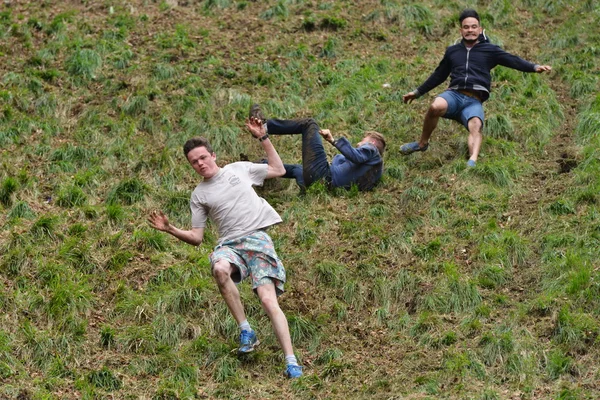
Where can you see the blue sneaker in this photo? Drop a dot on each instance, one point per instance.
(471, 163)
(411, 147)
(293, 371)
(248, 342)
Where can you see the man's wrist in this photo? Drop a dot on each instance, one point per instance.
(263, 138)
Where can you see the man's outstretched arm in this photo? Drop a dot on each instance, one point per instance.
(159, 221)
(362, 155)
(435, 79)
(509, 60)
(274, 163)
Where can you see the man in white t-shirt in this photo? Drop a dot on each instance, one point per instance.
(244, 249)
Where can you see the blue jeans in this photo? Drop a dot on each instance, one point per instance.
(462, 108)
(314, 159)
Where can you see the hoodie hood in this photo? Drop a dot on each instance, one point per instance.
(483, 38)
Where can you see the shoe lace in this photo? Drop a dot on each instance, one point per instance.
(292, 369)
(245, 337)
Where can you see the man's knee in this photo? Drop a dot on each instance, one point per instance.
(221, 271)
(475, 125)
(308, 121)
(438, 107)
(268, 297)
(270, 303)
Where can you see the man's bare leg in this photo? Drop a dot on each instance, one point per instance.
(475, 139)
(222, 271)
(268, 299)
(437, 109)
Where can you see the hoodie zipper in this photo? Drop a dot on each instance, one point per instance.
(467, 67)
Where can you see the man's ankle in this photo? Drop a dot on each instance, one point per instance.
(245, 326)
(291, 360)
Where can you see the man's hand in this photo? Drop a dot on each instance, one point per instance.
(275, 166)
(255, 127)
(543, 68)
(408, 97)
(326, 133)
(158, 220)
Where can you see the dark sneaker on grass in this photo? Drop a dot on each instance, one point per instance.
(256, 113)
(411, 147)
(248, 342)
(293, 371)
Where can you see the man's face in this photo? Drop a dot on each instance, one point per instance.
(470, 29)
(203, 162)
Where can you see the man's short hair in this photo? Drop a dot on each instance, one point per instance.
(192, 143)
(379, 139)
(468, 13)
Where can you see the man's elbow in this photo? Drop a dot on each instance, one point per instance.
(280, 171)
(195, 239)
(195, 242)
(276, 171)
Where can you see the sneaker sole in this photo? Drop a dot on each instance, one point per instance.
(410, 151)
(255, 112)
(240, 352)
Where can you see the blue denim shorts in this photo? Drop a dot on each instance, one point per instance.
(462, 108)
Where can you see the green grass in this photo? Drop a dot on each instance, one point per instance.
(104, 379)
(127, 192)
(441, 283)
(84, 63)
(9, 186)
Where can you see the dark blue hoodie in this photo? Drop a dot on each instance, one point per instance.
(362, 165)
(470, 68)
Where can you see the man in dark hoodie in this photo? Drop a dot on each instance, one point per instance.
(468, 64)
(361, 165)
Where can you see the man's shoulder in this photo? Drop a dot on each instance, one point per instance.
(488, 46)
(236, 165)
(240, 163)
(453, 50)
(455, 46)
(243, 166)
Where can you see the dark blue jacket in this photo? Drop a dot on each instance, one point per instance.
(362, 165)
(470, 68)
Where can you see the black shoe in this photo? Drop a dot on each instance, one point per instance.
(257, 114)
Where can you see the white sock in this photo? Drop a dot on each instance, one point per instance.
(291, 360)
(245, 326)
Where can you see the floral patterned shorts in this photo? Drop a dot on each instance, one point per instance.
(254, 255)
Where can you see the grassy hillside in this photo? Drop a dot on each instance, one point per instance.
(442, 283)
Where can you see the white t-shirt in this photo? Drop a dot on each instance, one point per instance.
(230, 201)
